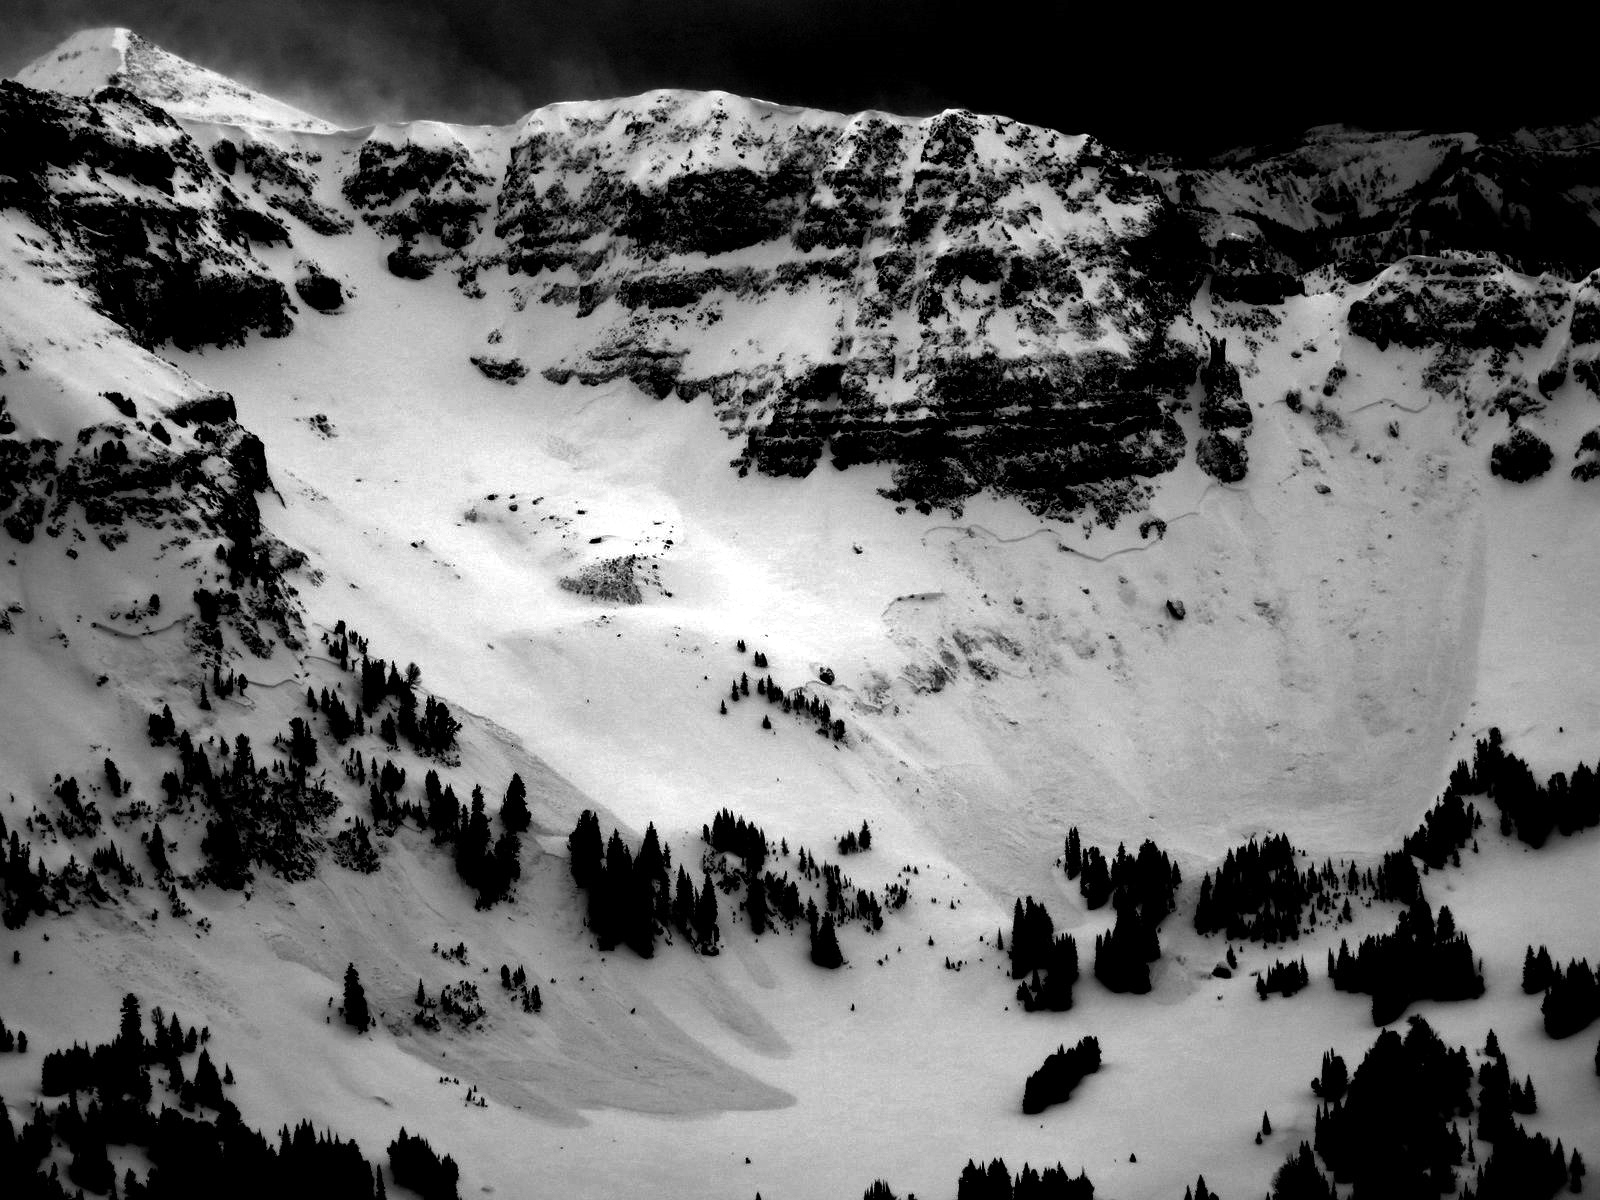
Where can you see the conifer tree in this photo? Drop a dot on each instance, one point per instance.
(514, 813)
(825, 950)
(683, 901)
(706, 932)
(585, 849)
(356, 1014)
(755, 903)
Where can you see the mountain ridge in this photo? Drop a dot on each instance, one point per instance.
(436, 382)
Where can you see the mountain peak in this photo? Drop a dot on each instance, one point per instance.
(92, 59)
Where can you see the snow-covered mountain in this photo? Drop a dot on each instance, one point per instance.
(1186, 503)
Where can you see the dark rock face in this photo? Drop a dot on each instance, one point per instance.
(503, 370)
(1223, 456)
(196, 485)
(405, 264)
(321, 292)
(414, 192)
(1522, 456)
(944, 265)
(1225, 416)
(1457, 301)
(156, 237)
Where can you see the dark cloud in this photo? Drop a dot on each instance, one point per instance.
(1200, 78)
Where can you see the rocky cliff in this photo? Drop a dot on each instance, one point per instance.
(977, 304)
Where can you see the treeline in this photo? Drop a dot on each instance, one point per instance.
(995, 1182)
(1394, 1128)
(430, 732)
(1419, 960)
(630, 896)
(1046, 962)
(1260, 894)
(196, 1149)
(488, 865)
(1571, 996)
(1391, 1130)
(1062, 1071)
(1527, 808)
(1445, 831)
(1142, 888)
(631, 902)
(1147, 881)
(1284, 978)
(417, 1166)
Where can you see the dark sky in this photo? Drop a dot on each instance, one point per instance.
(1203, 78)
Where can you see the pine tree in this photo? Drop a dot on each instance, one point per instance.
(130, 1035)
(472, 847)
(755, 903)
(356, 1014)
(825, 945)
(706, 932)
(514, 813)
(585, 849)
(683, 900)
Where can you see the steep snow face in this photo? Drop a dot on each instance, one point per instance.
(113, 57)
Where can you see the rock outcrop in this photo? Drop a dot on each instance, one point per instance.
(986, 305)
(142, 218)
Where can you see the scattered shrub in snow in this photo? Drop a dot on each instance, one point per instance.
(611, 579)
(353, 849)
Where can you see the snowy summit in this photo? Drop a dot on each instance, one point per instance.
(116, 57)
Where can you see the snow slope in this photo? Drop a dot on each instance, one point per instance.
(1361, 606)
